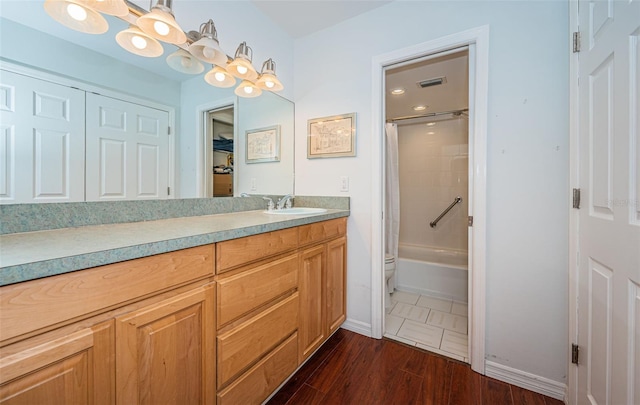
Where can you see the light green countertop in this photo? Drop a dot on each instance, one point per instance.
(31, 255)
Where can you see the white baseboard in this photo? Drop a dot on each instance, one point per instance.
(526, 380)
(357, 327)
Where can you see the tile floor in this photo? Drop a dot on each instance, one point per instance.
(433, 324)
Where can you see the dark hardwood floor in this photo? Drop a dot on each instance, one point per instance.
(354, 369)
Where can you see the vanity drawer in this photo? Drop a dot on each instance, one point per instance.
(254, 386)
(52, 300)
(241, 293)
(236, 252)
(243, 345)
(320, 231)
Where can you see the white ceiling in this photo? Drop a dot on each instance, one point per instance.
(299, 18)
(452, 95)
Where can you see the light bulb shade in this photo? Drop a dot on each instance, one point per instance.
(247, 89)
(270, 82)
(184, 62)
(161, 25)
(77, 15)
(219, 77)
(135, 41)
(208, 50)
(268, 79)
(241, 66)
(112, 7)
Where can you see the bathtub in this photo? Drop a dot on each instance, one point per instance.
(432, 271)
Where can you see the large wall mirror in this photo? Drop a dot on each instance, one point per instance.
(30, 38)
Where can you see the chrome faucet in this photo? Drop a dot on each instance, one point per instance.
(269, 203)
(285, 202)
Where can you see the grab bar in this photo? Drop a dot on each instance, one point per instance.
(435, 221)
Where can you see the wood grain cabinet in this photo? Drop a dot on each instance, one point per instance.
(223, 324)
(322, 282)
(136, 332)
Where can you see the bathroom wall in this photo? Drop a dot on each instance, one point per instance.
(433, 168)
(527, 168)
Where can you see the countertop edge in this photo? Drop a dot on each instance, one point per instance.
(46, 268)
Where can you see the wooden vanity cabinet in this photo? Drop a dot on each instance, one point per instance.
(140, 331)
(322, 282)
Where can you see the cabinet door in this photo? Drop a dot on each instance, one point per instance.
(311, 329)
(165, 352)
(41, 141)
(336, 283)
(74, 369)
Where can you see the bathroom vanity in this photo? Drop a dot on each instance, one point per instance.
(224, 322)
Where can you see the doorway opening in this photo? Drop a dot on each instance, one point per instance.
(426, 198)
(219, 159)
(477, 41)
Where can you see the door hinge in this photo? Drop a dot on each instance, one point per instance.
(576, 198)
(470, 220)
(576, 42)
(168, 190)
(575, 353)
(168, 130)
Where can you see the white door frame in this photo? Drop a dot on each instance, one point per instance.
(574, 182)
(201, 148)
(477, 207)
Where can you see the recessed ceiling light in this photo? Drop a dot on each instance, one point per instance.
(420, 108)
(398, 91)
(431, 124)
(431, 133)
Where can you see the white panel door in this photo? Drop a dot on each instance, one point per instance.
(127, 150)
(609, 216)
(41, 141)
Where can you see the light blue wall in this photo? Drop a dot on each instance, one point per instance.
(29, 47)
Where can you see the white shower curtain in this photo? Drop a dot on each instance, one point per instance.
(392, 197)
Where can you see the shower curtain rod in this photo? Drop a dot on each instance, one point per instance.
(435, 114)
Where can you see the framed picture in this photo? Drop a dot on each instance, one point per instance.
(332, 136)
(263, 144)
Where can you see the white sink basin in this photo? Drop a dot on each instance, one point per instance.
(297, 211)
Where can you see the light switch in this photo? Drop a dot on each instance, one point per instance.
(344, 183)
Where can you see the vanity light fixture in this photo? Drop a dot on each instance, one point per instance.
(268, 79)
(247, 89)
(135, 41)
(207, 48)
(219, 77)
(420, 108)
(398, 91)
(184, 62)
(77, 15)
(241, 66)
(161, 24)
(431, 124)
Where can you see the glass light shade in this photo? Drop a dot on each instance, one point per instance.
(219, 77)
(135, 41)
(112, 7)
(247, 89)
(242, 69)
(184, 62)
(158, 20)
(77, 15)
(208, 50)
(270, 82)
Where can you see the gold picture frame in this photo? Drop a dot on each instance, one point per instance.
(263, 145)
(333, 136)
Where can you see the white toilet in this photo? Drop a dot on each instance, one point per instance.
(389, 285)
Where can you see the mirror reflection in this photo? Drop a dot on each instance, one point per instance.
(189, 161)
